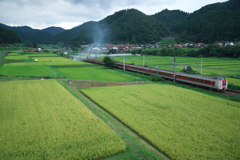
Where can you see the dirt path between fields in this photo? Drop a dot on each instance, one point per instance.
(2, 54)
(3, 62)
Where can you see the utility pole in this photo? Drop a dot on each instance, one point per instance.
(143, 60)
(124, 63)
(174, 69)
(201, 67)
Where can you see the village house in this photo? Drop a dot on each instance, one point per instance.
(200, 45)
(218, 44)
(177, 46)
(237, 44)
(227, 43)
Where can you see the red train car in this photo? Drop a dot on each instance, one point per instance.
(218, 83)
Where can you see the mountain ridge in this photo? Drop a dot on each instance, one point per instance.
(213, 22)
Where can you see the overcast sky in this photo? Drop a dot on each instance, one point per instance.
(67, 14)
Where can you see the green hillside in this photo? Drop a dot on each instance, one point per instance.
(8, 36)
(170, 18)
(214, 22)
(124, 26)
(67, 36)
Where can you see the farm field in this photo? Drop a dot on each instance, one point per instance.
(49, 63)
(44, 121)
(41, 55)
(12, 54)
(94, 73)
(52, 59)
(16, 58)
(26, 70)
(211, 66)
(234, 81)
(174, 120)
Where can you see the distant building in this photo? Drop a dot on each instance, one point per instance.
(237, 44)
(96, 49)
(200, 45)
(227, 43)
(218, 44)
(177, 46)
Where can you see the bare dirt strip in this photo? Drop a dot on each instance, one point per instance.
(3, 62)
(2, 54)
(90, 84)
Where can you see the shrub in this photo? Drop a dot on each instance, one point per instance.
(108, 62)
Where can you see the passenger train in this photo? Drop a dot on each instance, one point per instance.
(218, 83)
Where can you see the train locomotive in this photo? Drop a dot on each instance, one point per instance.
(218, 83)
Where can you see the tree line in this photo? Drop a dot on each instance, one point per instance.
(8, 36)
(210, 51)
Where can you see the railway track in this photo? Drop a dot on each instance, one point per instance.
(232, 92)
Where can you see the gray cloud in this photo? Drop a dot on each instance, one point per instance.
(70, 13)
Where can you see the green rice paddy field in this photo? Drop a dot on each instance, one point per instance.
(16, 58)
(182, 123)
(12, 54)
(52, 59)
(234, 81)
(56, 63)
(211, 66)
(94, 73)
(42, 120)
(41, 55)
(26, 71)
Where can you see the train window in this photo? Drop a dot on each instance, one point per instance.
(205, 81)
(182, 77)
(166, 74)
(190, 78)
(186, 77)
(201, 80)
(169, 74)
(193, 79)
(197, 80)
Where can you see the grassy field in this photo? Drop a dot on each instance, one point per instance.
(182, 123)
(166, 42)
(41, 55)
(52, 59)
(42, 120)
(12, 54)
(16, 58)
(211, 66)
(234, 81)
(63, 63)
(94, 73)
(26, 71)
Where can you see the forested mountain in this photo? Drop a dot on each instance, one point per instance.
(67, 36)
(170, 18)
(8, 36)
(124, 26)
(214, 22)
(19, 28)
(54, 30)
(34, 35)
